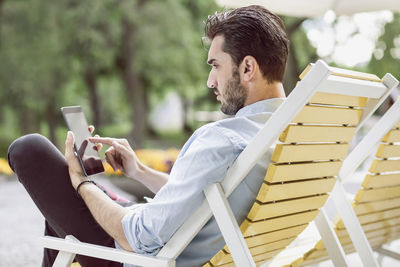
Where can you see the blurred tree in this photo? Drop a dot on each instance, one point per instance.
(301, 52)
(91, 31)
(32, 68)
(160, 50)
(386, 56)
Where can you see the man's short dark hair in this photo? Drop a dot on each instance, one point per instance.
(252, 31)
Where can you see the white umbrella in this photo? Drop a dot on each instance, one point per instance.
(313, 8)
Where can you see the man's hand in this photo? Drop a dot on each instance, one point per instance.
(120, 155)
(75, 170)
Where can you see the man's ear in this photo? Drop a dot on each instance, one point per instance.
(248, 68)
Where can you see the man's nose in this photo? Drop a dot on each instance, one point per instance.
(211, 82)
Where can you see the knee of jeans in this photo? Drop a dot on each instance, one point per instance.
(25, 147)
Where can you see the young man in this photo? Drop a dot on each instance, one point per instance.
(248, 54)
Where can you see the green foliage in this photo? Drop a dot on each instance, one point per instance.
(48, 49)
(386, 58)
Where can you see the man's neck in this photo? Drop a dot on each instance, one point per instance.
(265, 91)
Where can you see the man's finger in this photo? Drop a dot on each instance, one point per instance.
(91, 129)
(120, 148)
(110, 154)
(69, 145)
(102, 140)
(98, 146)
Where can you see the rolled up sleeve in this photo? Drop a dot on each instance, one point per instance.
(204, 160)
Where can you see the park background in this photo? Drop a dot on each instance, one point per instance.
(138, 69)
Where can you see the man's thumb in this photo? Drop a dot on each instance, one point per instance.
(69, 144)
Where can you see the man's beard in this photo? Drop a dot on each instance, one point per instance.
(235, 95)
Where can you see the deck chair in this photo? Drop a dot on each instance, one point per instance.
(377, 202)
(314, 126)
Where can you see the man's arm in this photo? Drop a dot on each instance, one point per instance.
(121, 157)
(107, 213)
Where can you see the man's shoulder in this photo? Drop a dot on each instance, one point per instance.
(228, 130)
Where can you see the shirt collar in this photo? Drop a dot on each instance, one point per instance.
(268, 105)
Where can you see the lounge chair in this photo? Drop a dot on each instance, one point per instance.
(377, 202)
(314, 126)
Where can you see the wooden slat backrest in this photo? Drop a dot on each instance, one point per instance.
(303, 170)
(377, 202)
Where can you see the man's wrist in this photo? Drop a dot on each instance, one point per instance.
(139, 172)
(84, 183)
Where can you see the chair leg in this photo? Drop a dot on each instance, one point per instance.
(388, 253)
(331, 242)
(228, 225)
(64, 259)
(353, 227)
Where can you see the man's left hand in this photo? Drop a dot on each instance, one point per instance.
(75, 170)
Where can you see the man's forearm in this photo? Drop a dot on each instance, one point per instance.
(106, 212)
(151, 178)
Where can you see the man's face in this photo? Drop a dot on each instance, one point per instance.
(224, 78)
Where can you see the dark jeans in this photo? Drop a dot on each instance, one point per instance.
(43, 171)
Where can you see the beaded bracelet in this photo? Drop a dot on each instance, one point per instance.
(84, 182)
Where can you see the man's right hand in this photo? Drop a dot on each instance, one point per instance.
(120, 155)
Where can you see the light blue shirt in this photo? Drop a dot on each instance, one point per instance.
(203, 160)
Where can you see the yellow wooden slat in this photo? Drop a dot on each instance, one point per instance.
(388, 151)
(275, 192)
(319, 245)
(374, 238)
(376, 242)
(374, 217)
(378, 225)
(316, 133)
(392, 136)
(365, 195)
(311, 262)
(379, 166)
(382, 180)
(345, 239)
(221, 257)
(270, 246)
(269, 237)
(229, 264)
(368, 207)
(267, 255)
(252, 228)
(298, 171)
(208, 264)
(338, 100)
(397, 125)
(228, 261)
(345, 73)
(296, 263)
(314, 254)
(328, 115)
(309, 152)
(261, 211)
(378, 216)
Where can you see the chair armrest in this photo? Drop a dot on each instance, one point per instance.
(72, 245)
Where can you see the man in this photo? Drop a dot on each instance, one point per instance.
(248, 54)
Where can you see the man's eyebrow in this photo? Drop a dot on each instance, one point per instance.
(211, 61)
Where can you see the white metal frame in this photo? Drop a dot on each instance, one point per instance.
(317, 79)
(331, 241)
(389, 253)
(350, 164)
